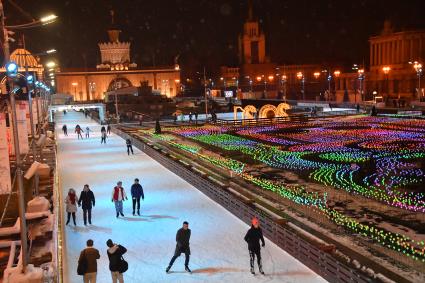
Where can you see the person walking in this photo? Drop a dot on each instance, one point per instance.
(116, 262)
(88, 259)
(190, 117)
(196, 118)
(108, 129)
(103, 137)
(253, 237)
(129, 146)
(136, 193)
(182, 246)
(65, 130)
(78, 130)
(87, 200)
(87, 132)
(71, 205)
(118, 196)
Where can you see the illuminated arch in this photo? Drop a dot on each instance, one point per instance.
(281, 109)
(267, 111)
(235, 112)
(249, 111)
(118, 83)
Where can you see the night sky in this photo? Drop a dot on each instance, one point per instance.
(204, 32)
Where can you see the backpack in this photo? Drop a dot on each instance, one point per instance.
(82, 265)
(123, 265)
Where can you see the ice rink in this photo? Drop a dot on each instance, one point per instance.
(219, 253)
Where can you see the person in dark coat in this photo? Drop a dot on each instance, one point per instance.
(103, 137)
(65, 130)
(136, 194)
(91, 255)
(182, 246)
(115, 253)
(88, 201)
(108, 129)
(253, 237)
(129, 146)
(103, 129)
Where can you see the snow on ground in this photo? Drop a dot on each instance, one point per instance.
(219, 253)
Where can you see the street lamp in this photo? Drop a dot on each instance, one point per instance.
(386, 70)
(50, 64)
(284, 78)
(361, 78)
(418, 68)
(300, 76)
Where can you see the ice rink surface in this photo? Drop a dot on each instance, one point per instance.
(219, 253)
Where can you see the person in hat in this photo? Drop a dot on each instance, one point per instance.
(182, 246)
(253, 237)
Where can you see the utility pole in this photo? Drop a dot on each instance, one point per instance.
(206, 99)
(116, 101)
(21, 201)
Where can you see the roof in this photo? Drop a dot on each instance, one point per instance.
(23, 58)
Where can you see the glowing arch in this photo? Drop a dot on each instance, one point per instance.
(118, 83)
(235, 112)
(249, 111)
(281, 109)
(268, 111)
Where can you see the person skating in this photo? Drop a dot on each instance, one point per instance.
(71, 205)
(116, 265)
(87, 132)
(78, 130)
(182, 246)
(103, 137)
(129, 146)
(87, 200)
(118, 196)
(65, 130)
(196, 118)
(108, 129)
(88, 258)
(253, 237)
(136, 194)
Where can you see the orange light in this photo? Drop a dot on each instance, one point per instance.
(177, 81)
(259, 79)
(299, 75)
(316, 74)
(284, 77)
(271, 77)
(386, 69)
(360, 71)
(74, 84)
(337, 73)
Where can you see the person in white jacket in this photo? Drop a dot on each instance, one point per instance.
(118, 196)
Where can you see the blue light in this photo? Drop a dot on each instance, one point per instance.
(30, 78)
(11, 69)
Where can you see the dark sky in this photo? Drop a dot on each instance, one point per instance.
(204, 32)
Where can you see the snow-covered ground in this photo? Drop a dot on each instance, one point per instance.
(219, 253)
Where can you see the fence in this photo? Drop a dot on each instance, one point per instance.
(321, 262)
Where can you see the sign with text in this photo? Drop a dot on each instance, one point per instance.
(5, 180)
(228, 93)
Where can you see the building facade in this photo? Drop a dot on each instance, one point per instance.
(116, 71)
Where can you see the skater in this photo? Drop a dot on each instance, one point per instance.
(182, 246)
(136, 193)
(87, 132)
(117, 265)
(65, 130)
(253, 237)
(118, 196)
(108, 129)
(78, 130)
(86, 113)
(196, 118)
(64, 112)
(88, 261)
(71, 205)
(175, 118)
(103, 137)
(129, 146)
(88, 201)
(103, 129)
(190, 117)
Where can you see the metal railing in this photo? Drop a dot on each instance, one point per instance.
(321, 262)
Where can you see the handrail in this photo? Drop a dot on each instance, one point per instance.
(58, 212)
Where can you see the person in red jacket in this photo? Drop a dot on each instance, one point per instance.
(118, 196)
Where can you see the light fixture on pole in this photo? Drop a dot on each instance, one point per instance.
(300, 76)
(386, 70)
(361, 78)
(284, 78)
(418, 68)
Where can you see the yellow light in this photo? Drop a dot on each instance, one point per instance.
(299, 75)
(74, 84)
(284, 77)
(48, 18)
(50, 64)
(337, 73)
(386, 69)
(221, 78)
(316, 74)
(259, 78)
(360, 71)
(271, 77)
(177, 81)
(417, 66)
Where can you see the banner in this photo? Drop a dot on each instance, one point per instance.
(34, 110)
(22, 128)
(5, 180)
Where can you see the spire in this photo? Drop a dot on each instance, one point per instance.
(114, 31)
(250, 15)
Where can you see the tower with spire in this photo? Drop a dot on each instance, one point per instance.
(252, 41)
(115, 55)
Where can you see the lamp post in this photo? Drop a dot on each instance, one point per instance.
(418, 68)
(205, 96)
(361, 78)
(386, 70)
(300, 76)
(284, 78)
